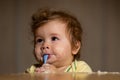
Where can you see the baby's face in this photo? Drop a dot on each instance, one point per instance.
(53, 40)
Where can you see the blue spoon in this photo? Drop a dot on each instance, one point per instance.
(45, 57)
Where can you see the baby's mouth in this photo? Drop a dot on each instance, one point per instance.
(49, 55)
(46, 54)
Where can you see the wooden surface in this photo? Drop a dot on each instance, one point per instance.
(62, 76)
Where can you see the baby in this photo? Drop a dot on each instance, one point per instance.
(58, 35)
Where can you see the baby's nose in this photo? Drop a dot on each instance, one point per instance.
(45, 46)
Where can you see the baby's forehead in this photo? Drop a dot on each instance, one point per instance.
(56, 21)
(53, 26)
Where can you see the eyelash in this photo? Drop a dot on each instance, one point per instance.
(41, 40)
(54, 38)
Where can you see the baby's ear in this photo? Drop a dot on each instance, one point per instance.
(76, 48)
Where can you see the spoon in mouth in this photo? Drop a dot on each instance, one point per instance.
(45, 57)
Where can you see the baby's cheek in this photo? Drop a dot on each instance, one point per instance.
(38, 54)
(59, 50)
(62, 50)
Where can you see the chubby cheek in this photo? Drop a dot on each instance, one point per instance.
(38, 53)
(62, 51)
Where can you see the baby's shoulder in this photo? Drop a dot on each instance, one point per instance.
(79, 63)
(82, 66)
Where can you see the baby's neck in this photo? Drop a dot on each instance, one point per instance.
(62, 69)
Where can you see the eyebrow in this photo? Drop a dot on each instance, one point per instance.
(55, 34)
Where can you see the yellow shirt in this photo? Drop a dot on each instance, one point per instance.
(76, 66)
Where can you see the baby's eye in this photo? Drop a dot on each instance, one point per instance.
(54, 38)
(39, 40)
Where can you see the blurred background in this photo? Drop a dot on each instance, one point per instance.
(100, 20)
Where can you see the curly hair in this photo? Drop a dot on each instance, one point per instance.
(43, 16)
